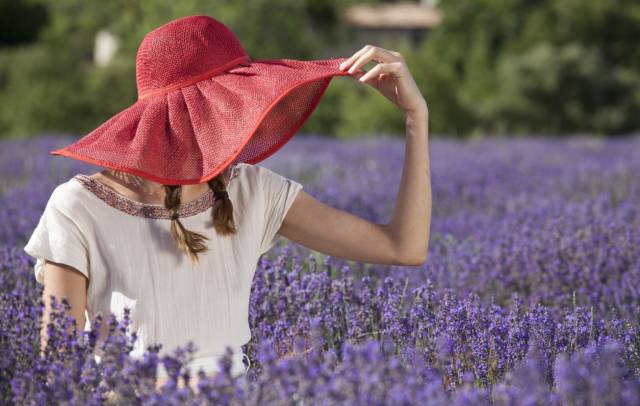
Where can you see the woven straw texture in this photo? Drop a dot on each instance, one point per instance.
(203, 104)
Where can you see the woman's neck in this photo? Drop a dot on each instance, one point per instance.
(144, 190)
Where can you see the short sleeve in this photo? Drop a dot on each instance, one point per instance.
(278, 193)
(58, 238)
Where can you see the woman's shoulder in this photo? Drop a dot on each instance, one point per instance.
(69, 196)
(265, 182)
(242, 169)
(246, 174)
(256, 173)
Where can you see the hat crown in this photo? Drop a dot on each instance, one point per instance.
(184, 49)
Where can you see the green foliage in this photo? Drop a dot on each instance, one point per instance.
(20, 21)
(53, 85)
(439, 84)
(545, 66)
(491, 66)
(566, 87)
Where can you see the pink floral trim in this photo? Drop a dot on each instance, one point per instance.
(124, 204)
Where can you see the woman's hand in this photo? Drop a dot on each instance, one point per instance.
(390, 76)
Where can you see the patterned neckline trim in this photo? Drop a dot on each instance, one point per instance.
(121, 202)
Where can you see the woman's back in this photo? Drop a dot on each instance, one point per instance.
(126, 250)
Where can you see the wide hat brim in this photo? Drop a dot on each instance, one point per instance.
(191, 134)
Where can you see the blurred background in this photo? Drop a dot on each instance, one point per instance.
(531, 290)
(543, 67)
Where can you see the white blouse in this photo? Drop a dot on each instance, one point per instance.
(126, 250)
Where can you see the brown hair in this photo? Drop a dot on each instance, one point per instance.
(192, 242)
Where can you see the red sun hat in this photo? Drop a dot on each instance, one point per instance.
(204, 104)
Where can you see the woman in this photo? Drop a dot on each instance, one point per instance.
(181, 253)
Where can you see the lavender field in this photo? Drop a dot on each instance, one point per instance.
(530, 294)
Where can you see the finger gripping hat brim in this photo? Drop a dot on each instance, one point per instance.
(187, 126)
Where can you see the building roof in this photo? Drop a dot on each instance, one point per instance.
(393, 15)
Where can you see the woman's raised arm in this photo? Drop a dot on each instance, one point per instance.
(405, 239)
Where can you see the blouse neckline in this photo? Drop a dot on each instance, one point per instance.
(123, 203)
